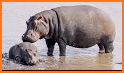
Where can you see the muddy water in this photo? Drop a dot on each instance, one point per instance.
(14, 16)
(98, 62)
(76, 59)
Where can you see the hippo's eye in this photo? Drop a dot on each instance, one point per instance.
(34, 54)
(26, 50)
(17, 59)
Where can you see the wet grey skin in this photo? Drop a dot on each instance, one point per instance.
(81, 26)
(24, 53)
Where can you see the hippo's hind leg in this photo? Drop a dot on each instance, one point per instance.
(101, 48)
(50, 45)
(108, 45)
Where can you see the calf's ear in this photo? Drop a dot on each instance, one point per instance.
(17, 59)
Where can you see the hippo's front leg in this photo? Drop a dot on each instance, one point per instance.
(62, 47)
(50, 45)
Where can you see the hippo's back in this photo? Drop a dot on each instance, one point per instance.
(83, 25)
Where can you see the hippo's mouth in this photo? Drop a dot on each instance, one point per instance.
(28, 39)
(30, 63)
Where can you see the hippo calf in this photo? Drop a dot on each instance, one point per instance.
(25, 53)
(79, 26)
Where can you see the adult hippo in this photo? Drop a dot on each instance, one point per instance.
(25, 53)
(80, 26)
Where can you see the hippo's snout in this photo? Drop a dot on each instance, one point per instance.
(31, 62)
(26, 38)
(23, 39)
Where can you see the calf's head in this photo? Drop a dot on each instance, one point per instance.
(37, 28)
(29, 56)
(24, 53)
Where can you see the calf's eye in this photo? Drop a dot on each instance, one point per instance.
(34, 54)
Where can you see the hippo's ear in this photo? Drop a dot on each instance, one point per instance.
(27, 22)
(17, 59)
(40, 17)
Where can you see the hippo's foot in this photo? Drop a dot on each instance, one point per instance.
(49, 54)
(62, 55)
(108, 47)
(101, 48)
(101, 51)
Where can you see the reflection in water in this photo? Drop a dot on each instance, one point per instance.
(76, 59)
(105, 58)
(98, 62)
(54, 63)
(105, 61)
(95, 62)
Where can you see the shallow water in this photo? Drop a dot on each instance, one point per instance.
(97, 62)
(77, 58)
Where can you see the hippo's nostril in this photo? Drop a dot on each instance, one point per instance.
(31, 34)
(23, 36)
(27, 38)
